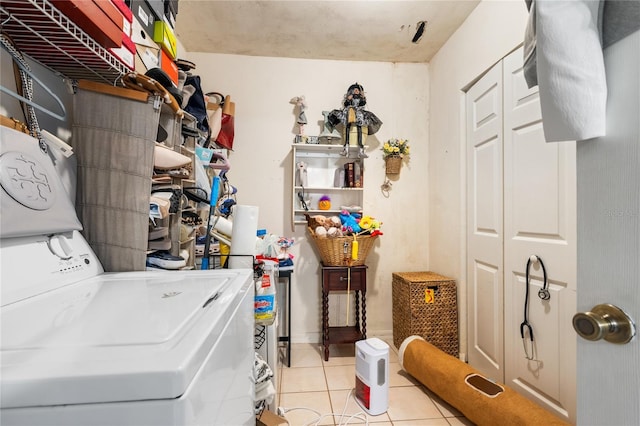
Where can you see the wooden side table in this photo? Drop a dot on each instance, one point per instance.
(341, 278)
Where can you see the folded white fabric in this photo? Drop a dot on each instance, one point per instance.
(570, 68)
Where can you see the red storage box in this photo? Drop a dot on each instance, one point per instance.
(91, 17)
(126, 14)
(110, 9)
(124, 9)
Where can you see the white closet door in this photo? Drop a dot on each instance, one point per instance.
(521, 198)
(484, 225)
(540, 219)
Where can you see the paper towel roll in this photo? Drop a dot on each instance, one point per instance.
(243, 236)
(224, 226)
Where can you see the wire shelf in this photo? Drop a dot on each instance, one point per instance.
(260, 336)
(43, 33)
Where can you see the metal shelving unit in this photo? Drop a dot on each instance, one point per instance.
(43, 33)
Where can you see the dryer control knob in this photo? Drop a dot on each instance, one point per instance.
(59, 246)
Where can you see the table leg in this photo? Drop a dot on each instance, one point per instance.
(285, 314)
(357, 310)
(289, 321)
(364, 314)
(325, 324)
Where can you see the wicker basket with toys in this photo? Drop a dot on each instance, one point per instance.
(345, 239)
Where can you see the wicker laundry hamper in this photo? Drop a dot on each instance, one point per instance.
(425, 304)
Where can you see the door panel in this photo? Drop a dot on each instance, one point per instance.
(484, 225)
(487, 320)
(487, 192)
(536, 196)
(540, 219)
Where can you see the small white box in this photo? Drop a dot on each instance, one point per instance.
(372, 375)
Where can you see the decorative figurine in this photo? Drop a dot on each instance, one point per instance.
(353, 116)
(299, 101)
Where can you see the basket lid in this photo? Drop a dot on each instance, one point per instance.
(421, 276)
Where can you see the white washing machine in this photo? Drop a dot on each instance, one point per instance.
(82, 347)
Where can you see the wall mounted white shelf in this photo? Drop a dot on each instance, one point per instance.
(323, 165)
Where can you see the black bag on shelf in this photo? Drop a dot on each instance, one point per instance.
(196, 105)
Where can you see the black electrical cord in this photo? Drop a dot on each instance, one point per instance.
(301, 198)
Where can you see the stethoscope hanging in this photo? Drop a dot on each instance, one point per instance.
(543, 294)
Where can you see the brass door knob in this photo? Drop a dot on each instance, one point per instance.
(606, 322)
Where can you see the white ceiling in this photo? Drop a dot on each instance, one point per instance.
(358, 30)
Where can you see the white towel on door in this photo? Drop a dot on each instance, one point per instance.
(570, 68)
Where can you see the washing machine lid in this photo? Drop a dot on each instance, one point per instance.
(115, 337)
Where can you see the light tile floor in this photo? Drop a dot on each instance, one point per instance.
(324, 386)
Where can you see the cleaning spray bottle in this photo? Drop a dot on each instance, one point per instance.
(265, 298)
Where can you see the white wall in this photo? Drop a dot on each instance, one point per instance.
(493, 29)
(261, 162)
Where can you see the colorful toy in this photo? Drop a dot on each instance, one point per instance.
(324, 203)
(350, 222)
(368, 223)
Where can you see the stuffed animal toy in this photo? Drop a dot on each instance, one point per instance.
(335, 221)
(320, 231)
(301, 174)
(334, 232)
(350, 222)
(319, 220)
